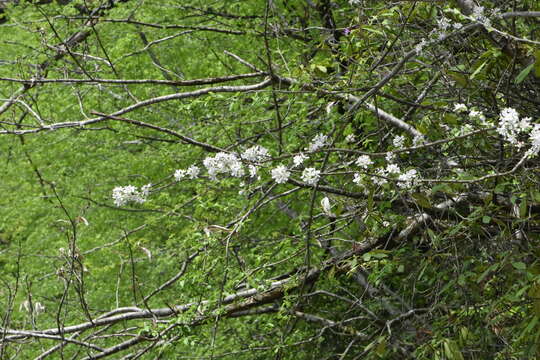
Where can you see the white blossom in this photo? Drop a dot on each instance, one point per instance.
(380, 180)
(318, 142)
(364, 161)
(193, 171)
(325, 204)
(392, 169)
(350, 138)
(408, 180)
(124, 194)
(399, 141)
(477, 115)
(236, 169)
(534, 138)
(510, 126)
(223, 163)
(311, 176)
(459, 108)
(299, 159)
(179, 174)
(525, 124)
(256, 154)
(478, 12)
(390, 157)
(478, 15)
(281, 174)
(357, 178)
(443, 23)
(253, 170)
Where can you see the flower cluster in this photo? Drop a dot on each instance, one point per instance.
(443, 25)
(399, 141)
(477, 115)
(478, 15)
(408, 179)
(510, 125)
(380, 179)
(124, 194)
(405, 180)
(460, 108)
(192, 172)
(281, 174)
(318, 142)
(299, 159)
(357, 179)
(364, 161)
(256, 154)
(311, 176)
(223, 163)
(392, 169)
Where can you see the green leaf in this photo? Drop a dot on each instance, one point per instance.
(537, 63)
(519, 265)
(451, 350)
(486, 219)
(523, 74)
(486, 272)
(321, 68)
(422, 200)
(523, 208)
(478, 69)
(458, 78)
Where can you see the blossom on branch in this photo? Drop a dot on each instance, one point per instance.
(318, 142)
(256, 154)
(124, 194)
(311, 176)
(408, 180)
(510, 126)
(534, 138)
(477, 115)
(364, 161)
(327, 208)
(399, 141)
(299, 159)
(193, 171)
(179, 174)
(223, 163)
(281, 174)
(460, 108)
